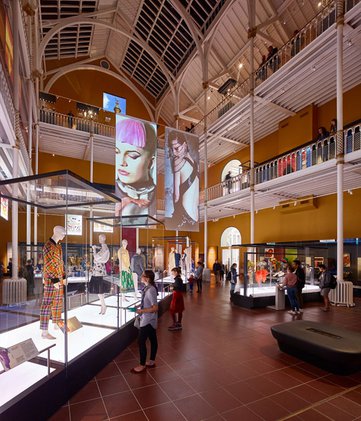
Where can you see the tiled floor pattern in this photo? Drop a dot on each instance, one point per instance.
(224, 365)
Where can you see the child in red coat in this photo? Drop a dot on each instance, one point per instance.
(177, 305)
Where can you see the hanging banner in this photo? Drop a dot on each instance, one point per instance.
(181, 168)
(135, 166)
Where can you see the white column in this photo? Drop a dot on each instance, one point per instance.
(340, 136)
(91, 140)
(251, 35)
(15, 174)
(205, 135)
(30, 147)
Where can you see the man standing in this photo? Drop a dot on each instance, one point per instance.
(325, 279)
(301, 280)
(217, 271)
(199, 276)
(228, 181)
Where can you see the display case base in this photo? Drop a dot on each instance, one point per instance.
(268, 301)
(48, 395)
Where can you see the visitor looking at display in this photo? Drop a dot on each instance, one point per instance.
(177, 304)
(290, 282)
(325, 279)
(217, 268)
(97, 283)
(148, 323)
(301, 280)
(52, 302)
(199, 276)
(233, 277)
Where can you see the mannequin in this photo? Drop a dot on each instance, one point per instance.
(97, 284)
(126, 278)
(171, 260)
(177, 259)
(52, 301)
(137, 266)
(184, 262)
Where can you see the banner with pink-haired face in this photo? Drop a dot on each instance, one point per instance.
(181, 178)
(135, 165)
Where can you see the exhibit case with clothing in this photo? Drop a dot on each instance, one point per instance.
(71, 309)
(263, 266)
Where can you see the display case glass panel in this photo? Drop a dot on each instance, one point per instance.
(57, 303)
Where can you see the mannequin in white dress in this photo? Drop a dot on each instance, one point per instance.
(171, 260)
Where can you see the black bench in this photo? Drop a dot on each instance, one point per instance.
(333, 348)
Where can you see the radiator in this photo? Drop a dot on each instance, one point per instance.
(14, 291)
(342, 295)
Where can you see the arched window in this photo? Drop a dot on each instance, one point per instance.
(230, 237)
(234, 166)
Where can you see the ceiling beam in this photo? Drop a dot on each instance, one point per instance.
(274, 106)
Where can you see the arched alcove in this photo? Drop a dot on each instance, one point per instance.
(234, 166)
(230, 237)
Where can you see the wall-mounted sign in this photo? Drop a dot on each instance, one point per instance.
(74, 224)
(102, 227)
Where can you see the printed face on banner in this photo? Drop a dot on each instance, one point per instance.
(135, 166)
(74, 224)
(181, 164)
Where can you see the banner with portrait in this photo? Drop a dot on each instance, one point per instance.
(181, 179)
(135, 166)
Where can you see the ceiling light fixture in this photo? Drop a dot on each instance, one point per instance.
(319, 4)
(240, 65)
(350, 192)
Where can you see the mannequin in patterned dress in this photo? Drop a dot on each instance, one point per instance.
(97, 283)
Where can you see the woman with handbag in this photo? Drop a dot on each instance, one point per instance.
(148, 314)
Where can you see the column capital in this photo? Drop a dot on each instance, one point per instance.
(252, 32)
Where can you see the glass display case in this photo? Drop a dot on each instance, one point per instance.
(63, 318)
(263, 266)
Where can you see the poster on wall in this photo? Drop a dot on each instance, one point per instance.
(135, 166)
(4, 208)
(181, 167)
(74, 224)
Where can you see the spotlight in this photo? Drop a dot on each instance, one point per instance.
(350, 192)
(240, 65)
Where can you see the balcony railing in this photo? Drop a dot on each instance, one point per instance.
(77, 123)
(319, 24)
(307, 156)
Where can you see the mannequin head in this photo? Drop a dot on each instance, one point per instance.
(58, 233)
(124, 243)
(139, 251)
(102, 239)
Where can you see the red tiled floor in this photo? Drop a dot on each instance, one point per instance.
(112, 385)
(120, 404)
(89, 410)
(269, 409)
(241, 413)
(195, 408)
(166, 411)
(224, 365)
(220, 399)
(150, 396)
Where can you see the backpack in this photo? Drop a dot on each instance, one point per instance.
(333, 282)
(229, 276)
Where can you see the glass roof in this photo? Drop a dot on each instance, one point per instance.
(138, 221)
(54, 190)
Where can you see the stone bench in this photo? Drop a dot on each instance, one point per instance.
(333, 348)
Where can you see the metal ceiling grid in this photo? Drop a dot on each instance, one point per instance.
(165, 31)
(72, 41)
